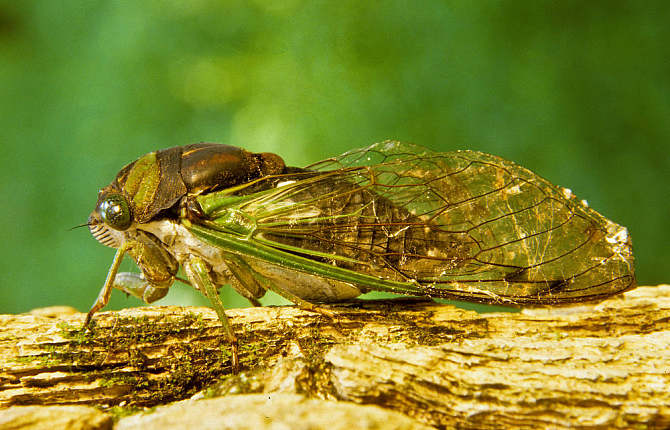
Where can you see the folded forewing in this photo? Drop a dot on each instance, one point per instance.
(462, 224)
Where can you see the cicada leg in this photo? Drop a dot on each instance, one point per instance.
(158, 270)
(198, 273)
(245, 285)
(135, 285)
(242, 271)
(130, 283)
(106, 291)
(254, 302)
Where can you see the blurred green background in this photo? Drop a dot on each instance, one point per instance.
(578, 92)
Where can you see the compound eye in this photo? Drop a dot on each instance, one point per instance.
(115, 212)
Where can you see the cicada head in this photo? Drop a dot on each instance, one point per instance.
(153, 184)
(133, 197)
(110, 218)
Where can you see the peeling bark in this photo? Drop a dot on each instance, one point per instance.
(593, 366)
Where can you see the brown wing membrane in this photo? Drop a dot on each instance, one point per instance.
(464, 225)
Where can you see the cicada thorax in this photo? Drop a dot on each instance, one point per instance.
(158, 180)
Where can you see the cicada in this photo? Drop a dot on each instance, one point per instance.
(391, 217)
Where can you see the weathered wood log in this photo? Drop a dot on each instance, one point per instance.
(603, 365)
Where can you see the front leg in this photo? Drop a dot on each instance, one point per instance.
(156, 263)
(133, 284)
(198, 273)
(106, 291)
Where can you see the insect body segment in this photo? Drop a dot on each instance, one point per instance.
(391, 217)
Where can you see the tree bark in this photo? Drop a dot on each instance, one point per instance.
(604, 365)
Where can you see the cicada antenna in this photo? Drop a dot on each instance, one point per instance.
(79, 226)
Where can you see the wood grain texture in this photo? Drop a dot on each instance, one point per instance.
(591, 366)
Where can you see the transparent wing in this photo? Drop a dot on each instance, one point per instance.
(464, 225)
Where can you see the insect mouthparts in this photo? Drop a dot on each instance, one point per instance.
(104, 235)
